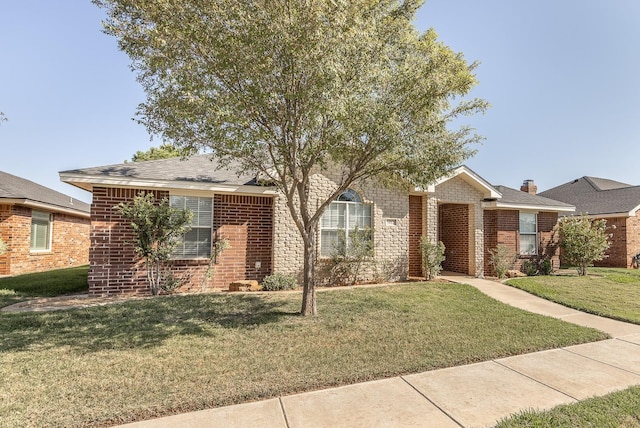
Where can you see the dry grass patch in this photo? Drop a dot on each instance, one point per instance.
(141, 359)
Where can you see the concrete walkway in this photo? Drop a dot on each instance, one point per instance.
(475, 395)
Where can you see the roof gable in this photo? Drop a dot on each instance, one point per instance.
(471, 178)
(597, 196)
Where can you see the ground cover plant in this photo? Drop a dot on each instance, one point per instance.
(619, 409)
(146, 358)
(43, 284)
(609, 292)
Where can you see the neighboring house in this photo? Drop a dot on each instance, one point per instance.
(464, 211)
(43, 229)
(617, 203)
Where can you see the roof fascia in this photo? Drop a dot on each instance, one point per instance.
(87, 182)
(512, 206)
(44, 206)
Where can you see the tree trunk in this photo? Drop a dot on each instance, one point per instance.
(309, 289)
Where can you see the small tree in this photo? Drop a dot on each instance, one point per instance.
(584, 241)
(157, 227)
(432, 258)
(502, 259)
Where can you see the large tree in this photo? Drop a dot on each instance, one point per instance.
(287, 86)
(164, 151)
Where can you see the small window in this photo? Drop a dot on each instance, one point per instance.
(40, 231)
(196, 243)
(342, 217)
(528, 234)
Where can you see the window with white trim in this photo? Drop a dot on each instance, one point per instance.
(40, 231)
(528, 234)
(196, 243)
(341, 218)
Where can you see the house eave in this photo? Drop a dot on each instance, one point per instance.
(525, 207)
(44, 207)
(88, 182)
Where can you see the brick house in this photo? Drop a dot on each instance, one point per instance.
(43, 229)
(459, 210)
(617, 203)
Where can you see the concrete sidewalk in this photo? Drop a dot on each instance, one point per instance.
(475, 395)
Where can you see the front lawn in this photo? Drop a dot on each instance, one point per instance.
(148, 358)
(619, 409)
(19, 288)
(613, 293)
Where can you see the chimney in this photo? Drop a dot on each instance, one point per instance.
(529, 187)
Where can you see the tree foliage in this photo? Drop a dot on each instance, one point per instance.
(286, 87)
(164, 151)
(583, 241)
(157, 227)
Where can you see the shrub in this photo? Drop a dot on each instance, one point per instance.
(502, 259)
(432, 258)
(545, 267)
(350, 254)
(279, 281)
(169, 282)
(530, 268)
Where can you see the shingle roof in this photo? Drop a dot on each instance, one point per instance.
(199, 169)
(597, 196)
(13, 187)
(518, 197)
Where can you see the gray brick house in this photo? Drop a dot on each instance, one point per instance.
(464, 211)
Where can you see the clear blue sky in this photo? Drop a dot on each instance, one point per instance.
(562, 78)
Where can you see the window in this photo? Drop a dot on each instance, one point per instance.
(528, 234)
(196, 243)
(343, 216)
(40, 231)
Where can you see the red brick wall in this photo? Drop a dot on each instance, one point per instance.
(633, 238)
(246, 221)
(625, 242)
(69, 242)
(415, 232)
(453, 227)
(502, 227)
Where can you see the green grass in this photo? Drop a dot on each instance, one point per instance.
(147, 358)
(619, 409)
(43, 284)
(613, 293)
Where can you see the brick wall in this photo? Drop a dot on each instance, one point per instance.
(625, 242)
(390, 223)
(453, 226)
(502, 227)
(69, 242)
(246, 221)
(415, 233)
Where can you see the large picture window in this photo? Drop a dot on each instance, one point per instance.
(40, 231)
(196, 243)
(341, 218)
(528, 234)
